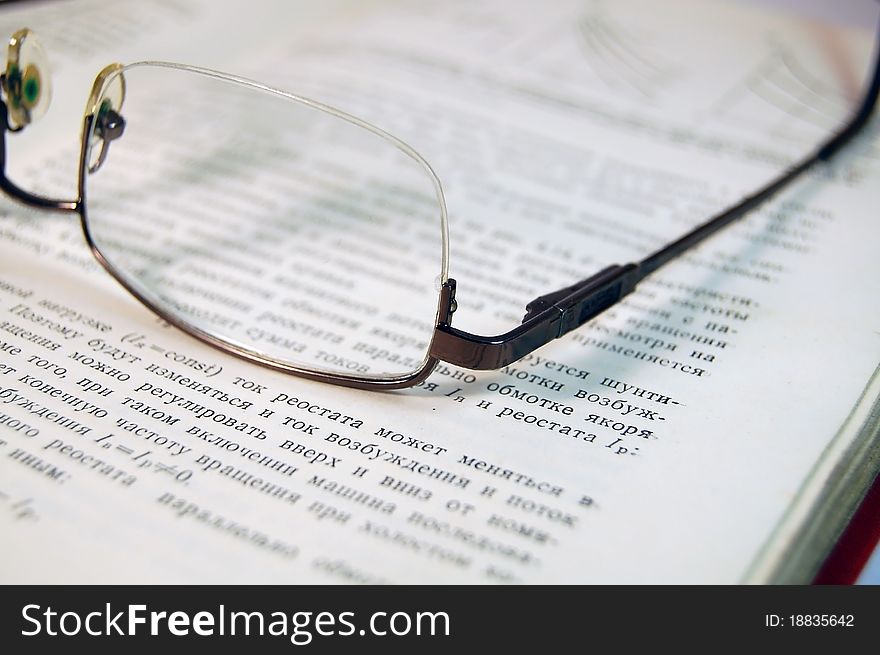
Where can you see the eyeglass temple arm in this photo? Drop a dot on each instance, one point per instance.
(823, 153)
(550, 316)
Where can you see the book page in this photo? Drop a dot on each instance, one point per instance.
(662, 442)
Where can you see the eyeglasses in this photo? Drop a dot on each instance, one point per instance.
(292, 234)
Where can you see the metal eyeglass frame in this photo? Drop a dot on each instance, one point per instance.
(547, 317)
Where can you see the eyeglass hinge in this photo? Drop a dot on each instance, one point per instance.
(580, 302)
(448, 304)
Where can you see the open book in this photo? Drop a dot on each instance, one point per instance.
(720, 425)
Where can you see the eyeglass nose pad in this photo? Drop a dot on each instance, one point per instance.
(26, 82)
(109, 127)
(104, 104)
